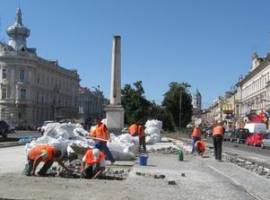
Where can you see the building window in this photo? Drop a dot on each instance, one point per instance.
(4, 93)
(22, 75)
(4, 73)
(23, 94)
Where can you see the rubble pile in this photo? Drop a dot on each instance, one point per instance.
(257, 167)
(165, 150)
(152, 131)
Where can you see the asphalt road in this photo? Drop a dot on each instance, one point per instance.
(231, 145)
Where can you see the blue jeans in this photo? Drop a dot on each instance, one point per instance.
(102, 146)
(194, 140)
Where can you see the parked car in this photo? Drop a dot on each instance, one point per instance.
(255, 139)
(227, 135)
(5, 129)
(266, 141)
(240, 135)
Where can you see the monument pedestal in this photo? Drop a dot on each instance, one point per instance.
(115, 118)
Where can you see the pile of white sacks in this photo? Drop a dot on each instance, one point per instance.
(152, 131)
(65, 135)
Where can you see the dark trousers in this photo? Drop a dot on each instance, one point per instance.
(91, 171)
(29, 167)
(194, 140)
(102, 146)
(217, 140)
(88, 172)
(142, 143)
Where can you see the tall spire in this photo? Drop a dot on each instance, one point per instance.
(18, 32)
(19, 17)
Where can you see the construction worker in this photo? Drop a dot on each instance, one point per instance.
(93, 163)
(42, 153)
(102, 136)
(218, 132)
(200, 147)
(141, 137)
(133, 129)
(196, 135)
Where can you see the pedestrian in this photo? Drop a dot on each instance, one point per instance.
(93, 163)
(42, 153)
(133, 129)
(141, 137)
(218, 132)
(102, 135)
(196, 135)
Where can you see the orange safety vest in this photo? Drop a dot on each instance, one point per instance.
(140, 131)
(218, 130)
(101, 131)
(38, 150)
(90, 159)
(133, 129)
(200, 146)
(196, 132)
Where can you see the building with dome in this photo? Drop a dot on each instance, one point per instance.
(33, 89)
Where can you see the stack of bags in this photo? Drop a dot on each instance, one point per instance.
(65, 136)
(152, 131)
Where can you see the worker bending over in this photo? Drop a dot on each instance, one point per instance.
(42, 153)
(102, 136)
(93, 163)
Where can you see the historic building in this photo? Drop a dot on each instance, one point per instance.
(32, 88)
(197, 101)
(91, 104)
(254, 88)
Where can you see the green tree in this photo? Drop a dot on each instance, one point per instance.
(160, 113)
(134, 102)
(179, 92)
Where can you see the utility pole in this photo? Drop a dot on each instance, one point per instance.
(180, 108)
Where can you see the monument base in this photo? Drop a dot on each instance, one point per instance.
(115, 118)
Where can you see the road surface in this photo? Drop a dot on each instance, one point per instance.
(196, 178)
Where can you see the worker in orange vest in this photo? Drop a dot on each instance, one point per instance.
(102, 135)
(196, 135)
(200, 147)
(218, 132)
(141, 137)
(93, 163)
(133, 129)
(42, 153)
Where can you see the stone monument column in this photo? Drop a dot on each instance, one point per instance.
(115, 111)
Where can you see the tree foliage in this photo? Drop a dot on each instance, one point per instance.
(139, 109)
(179, 92)
(134, 102)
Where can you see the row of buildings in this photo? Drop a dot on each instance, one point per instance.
(34, 89)
(251, 94)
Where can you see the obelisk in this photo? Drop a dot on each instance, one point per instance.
(115, 111)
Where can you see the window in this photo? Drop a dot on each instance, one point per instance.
(22, 75)
(4, 93)
(4, 73)
(23, 94)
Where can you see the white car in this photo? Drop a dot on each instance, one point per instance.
(266, 141)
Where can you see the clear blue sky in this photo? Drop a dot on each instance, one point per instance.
(207, 43)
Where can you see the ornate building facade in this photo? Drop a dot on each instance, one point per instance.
(32, 88)
(91, 104)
